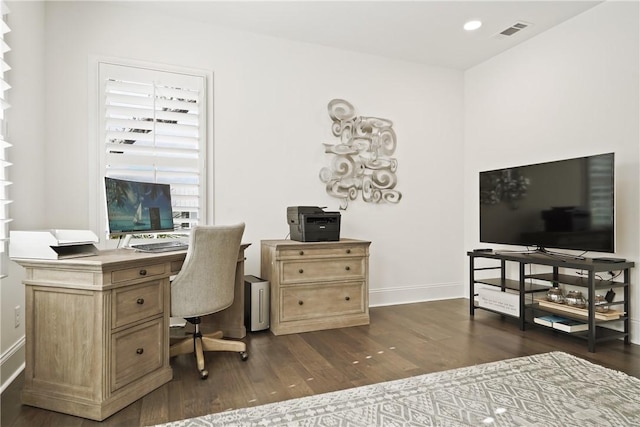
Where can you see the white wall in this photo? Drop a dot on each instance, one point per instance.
(571, 91)
(26, 133)
(270, 119)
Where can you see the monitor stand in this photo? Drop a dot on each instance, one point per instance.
(126, 241)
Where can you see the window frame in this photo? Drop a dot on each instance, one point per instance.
(97, 158)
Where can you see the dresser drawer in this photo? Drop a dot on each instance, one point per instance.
(308, 302)
(136, 352)
(319, 252)
(148, 271)
(137, 302)
(322, 270)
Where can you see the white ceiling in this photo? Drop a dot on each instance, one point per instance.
(427, 32)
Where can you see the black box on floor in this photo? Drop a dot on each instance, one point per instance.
(256, 303)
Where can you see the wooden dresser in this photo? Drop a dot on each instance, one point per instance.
(97, 329)
(316, 285)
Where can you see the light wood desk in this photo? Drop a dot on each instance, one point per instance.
(97, 329)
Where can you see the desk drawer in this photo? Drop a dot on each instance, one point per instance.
(147, 271)
(136, 352)
(137, 302)
(330, 252)
(322, 270)
(308, 302)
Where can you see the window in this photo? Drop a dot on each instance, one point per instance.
(152, 127)
(4, 145)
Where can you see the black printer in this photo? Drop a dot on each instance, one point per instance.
(312, 224)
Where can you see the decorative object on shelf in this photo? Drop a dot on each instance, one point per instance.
(362, 162)
(555, 294)
(599, 301)
(503, 186)
(575, 299)
(581, 312)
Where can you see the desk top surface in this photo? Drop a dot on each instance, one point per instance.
(107, 258)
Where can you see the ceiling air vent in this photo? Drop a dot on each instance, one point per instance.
(513, 29)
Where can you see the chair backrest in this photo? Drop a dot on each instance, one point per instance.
(205, 284)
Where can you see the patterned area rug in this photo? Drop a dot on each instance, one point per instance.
(551, 389)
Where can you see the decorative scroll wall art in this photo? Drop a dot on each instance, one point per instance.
(362, 160)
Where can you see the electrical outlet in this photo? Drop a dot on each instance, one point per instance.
(17, 316)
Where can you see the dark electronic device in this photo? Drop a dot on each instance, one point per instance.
(610, 296)
(565, 204)
(609, 260)
(312, 224)
(137, 207)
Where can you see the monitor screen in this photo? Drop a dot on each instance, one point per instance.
(565, 204)
(137, 207)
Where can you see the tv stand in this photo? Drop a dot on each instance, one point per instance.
(525, 292)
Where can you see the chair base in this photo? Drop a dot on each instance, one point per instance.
(198, 343)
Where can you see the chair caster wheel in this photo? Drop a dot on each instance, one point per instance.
(204, 374)
(244, 356)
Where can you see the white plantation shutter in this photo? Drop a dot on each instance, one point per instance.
(4, 145)
(153, 125)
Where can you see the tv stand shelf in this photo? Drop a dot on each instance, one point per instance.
(528, 288)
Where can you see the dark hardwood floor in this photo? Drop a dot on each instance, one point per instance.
(401, 341)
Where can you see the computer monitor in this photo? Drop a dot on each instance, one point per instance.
(137, 207)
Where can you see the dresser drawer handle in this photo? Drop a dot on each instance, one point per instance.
(347, 268)
(348, 251)
(301, 252)
(140, 301)
(143, 272)
(140, 351)
(301, 271)
(300, 302)
(347, 298)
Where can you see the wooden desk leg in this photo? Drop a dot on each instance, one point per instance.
(231, 320)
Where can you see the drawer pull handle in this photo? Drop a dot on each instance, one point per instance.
(140, 351)
(347, 298)
(300, 302)
(143, 272)
(301, 271)
(348, 251)
(347, 268)
(301, 252)
(140, 301)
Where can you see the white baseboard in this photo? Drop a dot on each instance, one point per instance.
(13, 361)
(418, 293)
(634, 329)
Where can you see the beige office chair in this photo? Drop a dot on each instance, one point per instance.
(205, 285)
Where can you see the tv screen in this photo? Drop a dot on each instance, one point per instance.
(137, 207)
(565, 204)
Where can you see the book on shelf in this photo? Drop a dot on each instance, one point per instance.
(561, 323)
(570, 325)
(548, 320)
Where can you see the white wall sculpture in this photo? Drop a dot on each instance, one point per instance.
(362, 161)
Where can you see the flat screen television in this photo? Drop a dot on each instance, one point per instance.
(564, 204)
(137, 207)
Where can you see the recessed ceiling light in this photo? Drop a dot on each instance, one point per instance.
(472, 25)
